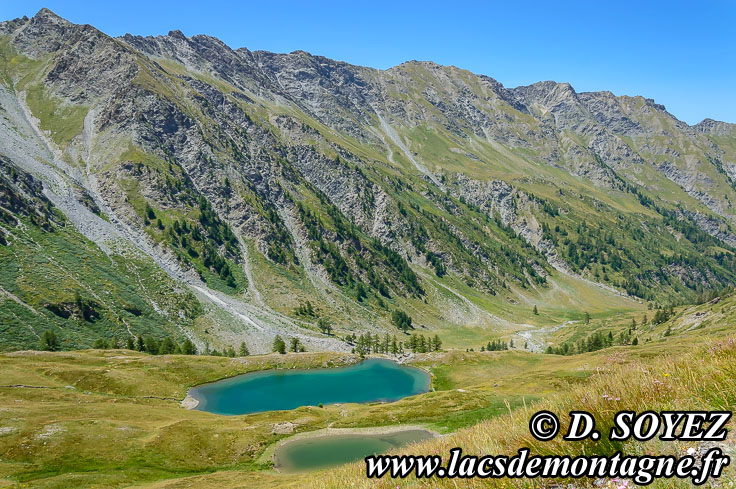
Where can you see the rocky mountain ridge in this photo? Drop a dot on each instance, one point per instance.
(262, 181)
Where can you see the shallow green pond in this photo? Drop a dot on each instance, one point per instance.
(331, 450)
(270, 390)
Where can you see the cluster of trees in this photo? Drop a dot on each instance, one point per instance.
(522, 257)
(367, 343)
(709, 295)
(663, 315)
(600, 340)
(497, 345)
(279, 243)
(346, 257)
(419, 237)
(217, 230)
(305, 309)
(401, 320)
(627, 256)
(228, 351)
(324, 325)
(596, 341)
(436, 261)
(202, 241)
(148, 344)
(279, 345)
(420, 344)
(516, 259)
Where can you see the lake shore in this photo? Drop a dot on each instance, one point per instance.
(189, 402)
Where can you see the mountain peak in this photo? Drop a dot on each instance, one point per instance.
(715, 128)
(46, 15)
(176, 33)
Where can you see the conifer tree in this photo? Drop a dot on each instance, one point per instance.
(49, 341)
(279, 345)
(188, 348)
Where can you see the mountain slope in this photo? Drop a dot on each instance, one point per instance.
(260, 182)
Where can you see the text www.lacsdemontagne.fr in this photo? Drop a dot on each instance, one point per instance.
(641, 469)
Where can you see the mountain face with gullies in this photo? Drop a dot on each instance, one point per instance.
(171, 185)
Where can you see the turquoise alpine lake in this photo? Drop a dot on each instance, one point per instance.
(330, 450)
(374, 380)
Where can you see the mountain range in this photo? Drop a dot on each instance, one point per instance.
(172, 185)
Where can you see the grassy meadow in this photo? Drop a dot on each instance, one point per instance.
(112, 418)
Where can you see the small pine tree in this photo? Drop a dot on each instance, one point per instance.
(279, 345)
(151, 345)
(587, 317)
(360, 293)
(49, 341)
(324, 325)
(140, 344)
(536, 311)
(188, 348)
(130, 343)
(635, 342)
(167, 347)
(244, 350)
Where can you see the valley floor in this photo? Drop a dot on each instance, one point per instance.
(113, 418)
